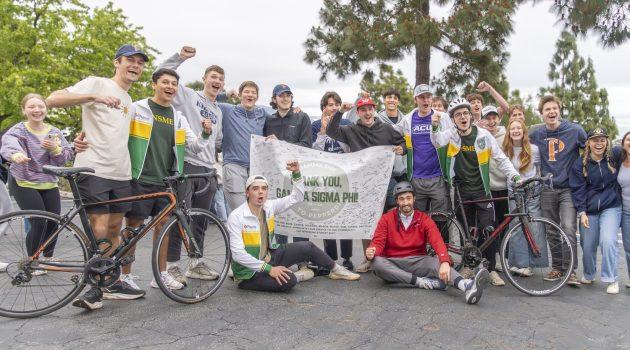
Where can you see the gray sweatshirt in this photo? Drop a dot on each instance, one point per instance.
(195, 106)
(400, 162)
(498, 179)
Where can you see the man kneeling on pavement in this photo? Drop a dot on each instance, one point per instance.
(398, 250)
(258, 261)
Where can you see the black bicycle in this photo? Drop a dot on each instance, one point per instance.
(42, 277)
(530, 250)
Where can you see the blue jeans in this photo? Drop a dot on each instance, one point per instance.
(603, 232)
(625, 233)
(218, 205)
(519, 254)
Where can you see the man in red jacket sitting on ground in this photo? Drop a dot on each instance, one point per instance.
(398, 250)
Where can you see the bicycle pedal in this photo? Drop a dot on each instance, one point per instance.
(127, 260)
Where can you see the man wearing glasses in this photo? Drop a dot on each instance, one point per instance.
(470, 149)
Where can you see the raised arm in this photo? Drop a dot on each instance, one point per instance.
(485, 87)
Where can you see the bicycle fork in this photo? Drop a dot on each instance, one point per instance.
(187, 235)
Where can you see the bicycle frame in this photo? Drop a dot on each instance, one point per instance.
(125, 245)
(502, 226)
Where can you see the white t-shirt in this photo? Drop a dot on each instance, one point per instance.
(531, 170)
(106, 130)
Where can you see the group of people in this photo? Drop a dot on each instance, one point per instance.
(132, 146)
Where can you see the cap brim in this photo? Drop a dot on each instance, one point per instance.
(282, 92)
(422, 93)
(144, 56)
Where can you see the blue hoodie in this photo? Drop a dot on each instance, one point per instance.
(598, 190)
(238, 127)
(559, 149)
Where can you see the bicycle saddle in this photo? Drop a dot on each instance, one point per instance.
(65, 172)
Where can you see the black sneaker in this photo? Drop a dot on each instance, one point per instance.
(90, 300)
(347, 263)
(122, 291)
(474, 290)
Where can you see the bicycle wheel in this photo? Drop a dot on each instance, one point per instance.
(452, 234)
(528, 270)
(31, 287)
(201, 275)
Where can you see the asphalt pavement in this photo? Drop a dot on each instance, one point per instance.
(327, 314)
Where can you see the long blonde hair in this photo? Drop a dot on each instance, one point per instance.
(607, 156)
(525, 157)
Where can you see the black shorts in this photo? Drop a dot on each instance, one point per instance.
(97, 189)
(148, 207)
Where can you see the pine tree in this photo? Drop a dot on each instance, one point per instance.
(608, 19)
(573, 81)
(473, 37)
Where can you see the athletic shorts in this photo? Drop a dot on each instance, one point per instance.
(148, 207)
(97, 189)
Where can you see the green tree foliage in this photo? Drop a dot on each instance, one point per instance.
(573, 81)
(608, 19)
(531, 116)
(52, 44)
(354, 33)
(195, 85)
(387, 79)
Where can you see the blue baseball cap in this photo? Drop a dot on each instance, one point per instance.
(130, 50)
(280, 89)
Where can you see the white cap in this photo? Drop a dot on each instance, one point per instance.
(421, 89)
(255, 178)
(487, 110)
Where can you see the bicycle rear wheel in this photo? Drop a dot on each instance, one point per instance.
(35, 284)
(528, 270)
(201, 274)
(452, 234)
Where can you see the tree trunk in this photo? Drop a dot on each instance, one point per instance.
(423, 52)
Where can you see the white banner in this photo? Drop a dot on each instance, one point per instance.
(345, 193)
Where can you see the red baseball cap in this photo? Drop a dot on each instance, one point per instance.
(365, 102)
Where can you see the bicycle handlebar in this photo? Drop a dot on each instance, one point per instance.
(180, 177)
(544, 180)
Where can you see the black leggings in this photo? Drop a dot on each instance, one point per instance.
(291, 254)
(484, 215)
(40, 229)
(330, 247)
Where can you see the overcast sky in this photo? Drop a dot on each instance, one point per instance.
(263, 41)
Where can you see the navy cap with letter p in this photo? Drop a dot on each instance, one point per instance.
(130, 50)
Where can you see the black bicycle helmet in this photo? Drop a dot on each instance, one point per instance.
(402, 187)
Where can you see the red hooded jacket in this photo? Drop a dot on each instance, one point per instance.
(392, 240)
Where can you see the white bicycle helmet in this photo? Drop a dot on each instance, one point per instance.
(458, 103)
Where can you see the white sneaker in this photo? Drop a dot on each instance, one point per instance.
(39, 272)
(495, 279)
(199, 270)
(304, 274)
(168, 281)
(129, 279)
(613, 288)
(3, 266)
(364, 267)
(584, 280)
(522, 271)
(341, 273)
(627, 284)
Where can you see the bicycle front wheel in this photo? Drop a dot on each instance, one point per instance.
(532, 253)
(41, 263)
(452, 234)
(199, 267)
